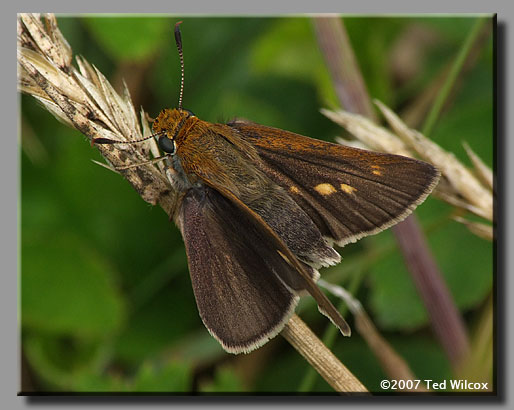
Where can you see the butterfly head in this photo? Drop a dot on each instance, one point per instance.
(169, 124)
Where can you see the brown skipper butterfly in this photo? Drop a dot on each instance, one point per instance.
(261, 208)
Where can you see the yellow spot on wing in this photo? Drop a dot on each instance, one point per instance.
(294, 189)
(347, 188)
(376, 170)
(325, 189)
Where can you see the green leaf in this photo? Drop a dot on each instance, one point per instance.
(63, 362)
(274, 52)
(130, 38)
(466, 268)
(372, 39)
(100, 383)
(67, 289)
(225, 381)
(289, 51)
(161, 322)
(173, 377)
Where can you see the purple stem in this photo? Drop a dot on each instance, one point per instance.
(351, 90)
(346, 76)
(444, 315)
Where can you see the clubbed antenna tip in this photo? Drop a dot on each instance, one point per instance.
(178, 40)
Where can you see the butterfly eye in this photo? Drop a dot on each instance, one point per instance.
(167, 144)
(191, 113)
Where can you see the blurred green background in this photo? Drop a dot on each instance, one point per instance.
(106, 299)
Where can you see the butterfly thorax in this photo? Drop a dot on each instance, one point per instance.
(212, 153)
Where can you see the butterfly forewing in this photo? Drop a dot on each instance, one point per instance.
(349, 193)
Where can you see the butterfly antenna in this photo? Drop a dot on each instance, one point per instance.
(178, 40)
(101, 140)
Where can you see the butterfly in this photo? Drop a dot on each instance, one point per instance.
(260, 210)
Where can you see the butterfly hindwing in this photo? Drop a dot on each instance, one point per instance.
(234, 272)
